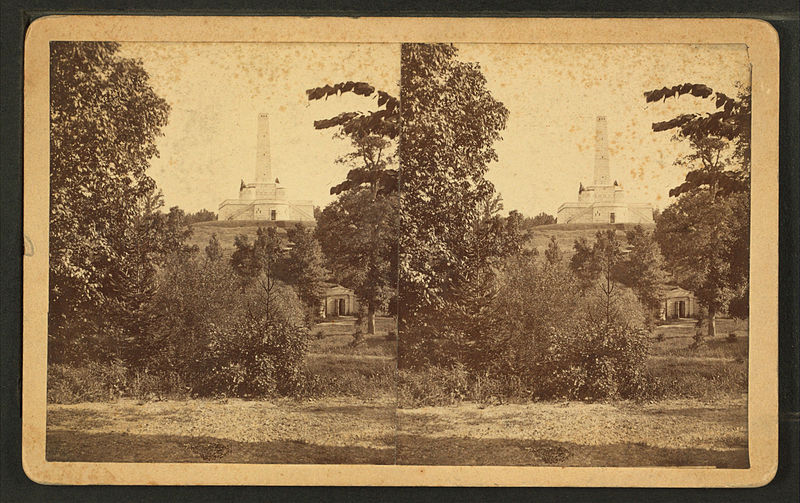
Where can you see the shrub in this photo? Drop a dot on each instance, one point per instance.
(251, 358)
(94, 382)
(594, 361)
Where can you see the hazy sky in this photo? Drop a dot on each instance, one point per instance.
(553, 92)
(216, 92)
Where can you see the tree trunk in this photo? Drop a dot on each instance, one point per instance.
(371, 319)
(712, 328)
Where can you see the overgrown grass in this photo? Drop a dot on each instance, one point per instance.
(373, 345)
(694, 378)
(346, 375)
(677, 340)
(436, 386)
(108, 382)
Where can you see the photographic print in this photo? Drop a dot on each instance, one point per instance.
(400, 259)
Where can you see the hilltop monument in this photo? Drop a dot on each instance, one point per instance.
(603, 202)
(265, 198)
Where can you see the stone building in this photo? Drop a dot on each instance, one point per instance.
(604, 201)
(678, 303)
(265, 198)
(338, 301)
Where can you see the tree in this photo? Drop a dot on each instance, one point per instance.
(358, 235)
(719, 167)
(358, 253)
(731, 120)
(700, 238)
(599, 268)
(543, 219)
(260, 263)
(449, 123)
(213, 249)
(104, 122)
(305, 266)
(583, 264)
(553, 253)
(201, 216)
(643, 268)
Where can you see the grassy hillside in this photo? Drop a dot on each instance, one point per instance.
(566, 234)
(227, 230)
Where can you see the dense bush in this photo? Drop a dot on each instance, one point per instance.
(594, 361)
(250, 358)
(529, 332)
(205, 333)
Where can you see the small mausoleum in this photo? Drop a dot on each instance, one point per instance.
(678, 303)
(338, 301)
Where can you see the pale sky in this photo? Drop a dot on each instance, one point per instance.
(217, 90)
(553, 92)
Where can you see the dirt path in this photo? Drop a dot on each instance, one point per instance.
(282, 431)
(669, 433)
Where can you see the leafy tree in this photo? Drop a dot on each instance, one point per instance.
(104, 122)
(583, 264)
(543, 219)
(719, 166)
(700, 237)
(358, 235)
(201, 216)
(730, 121)
(261, 263)
(356, 246)
(213, 249)
(449, 124)
(382, 122)
(601, 271)
(305, 266)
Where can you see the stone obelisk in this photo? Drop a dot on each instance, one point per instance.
(263, 162)
(601, 169)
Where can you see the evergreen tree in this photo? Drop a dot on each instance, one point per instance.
(305, 266)
(553, 253)
(213, 249)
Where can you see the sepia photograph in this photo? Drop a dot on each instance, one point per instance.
(443, 253)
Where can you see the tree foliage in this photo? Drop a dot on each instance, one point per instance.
(701, 239)
(719, 140)
(643, 268)
(705, 234)
(358, 236)
(370, 134)
(356, 248)
(553, 253)
(104, 225)
(305, 268)
(542, 219)
(450, 122)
